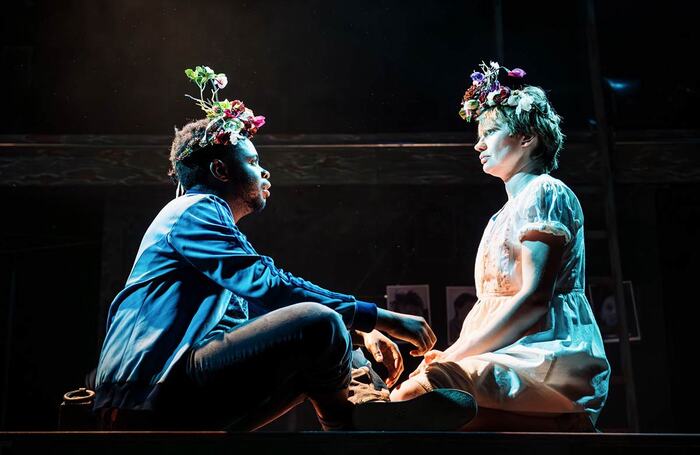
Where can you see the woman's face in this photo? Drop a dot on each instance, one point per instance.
(501, 155)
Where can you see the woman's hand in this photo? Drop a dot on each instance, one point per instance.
(434, 355)
(407, 327)
(430, 357)
(386, 352)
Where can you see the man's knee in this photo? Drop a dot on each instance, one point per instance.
(322, 325)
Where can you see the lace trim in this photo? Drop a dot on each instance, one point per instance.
(512, 293)
(549, 227)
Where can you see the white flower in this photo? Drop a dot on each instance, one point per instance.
(525, 104)
(471, 105)
(513, 98)
(220, 81)
(494, 65)
(489, 98)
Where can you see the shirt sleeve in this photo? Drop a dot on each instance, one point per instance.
(550, 207)
(206, 237)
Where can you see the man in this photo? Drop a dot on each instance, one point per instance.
(180, 348)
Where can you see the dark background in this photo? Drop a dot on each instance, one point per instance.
(79, 74)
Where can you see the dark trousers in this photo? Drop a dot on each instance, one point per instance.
(246, 377)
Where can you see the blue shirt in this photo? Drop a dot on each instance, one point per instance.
(194, 269)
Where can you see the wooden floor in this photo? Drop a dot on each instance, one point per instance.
(356, 443)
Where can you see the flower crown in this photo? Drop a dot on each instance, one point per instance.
(229, 121)
(487, 91)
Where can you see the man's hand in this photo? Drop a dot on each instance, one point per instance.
(385, 351)
(407, 327)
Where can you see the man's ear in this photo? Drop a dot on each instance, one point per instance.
(219, 170)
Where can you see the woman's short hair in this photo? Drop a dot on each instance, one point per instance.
(541, 120)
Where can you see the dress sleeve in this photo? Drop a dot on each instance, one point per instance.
(550, 207)
(209, 241)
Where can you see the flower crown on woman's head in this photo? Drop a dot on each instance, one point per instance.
(487, 91)
(229, 121)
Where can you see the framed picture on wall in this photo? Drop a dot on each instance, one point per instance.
(409, 299)
(459, 302)
(601, 294)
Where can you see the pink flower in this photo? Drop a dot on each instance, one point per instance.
(237, 107)
(220, 81)
(222, 137)
(258, 121)
(502, 95)
(517, 72)
(251, 125)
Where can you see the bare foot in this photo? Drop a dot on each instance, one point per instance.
(408, 389)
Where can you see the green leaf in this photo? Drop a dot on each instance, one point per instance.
(190, 74)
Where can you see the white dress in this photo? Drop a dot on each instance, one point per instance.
(560, 365)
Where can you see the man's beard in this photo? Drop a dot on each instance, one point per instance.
(248, 190)
(251, 195)
(254, 201)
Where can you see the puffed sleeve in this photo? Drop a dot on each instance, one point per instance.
(550, 207)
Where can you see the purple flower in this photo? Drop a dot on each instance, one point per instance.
(477, 76)
(517, 72)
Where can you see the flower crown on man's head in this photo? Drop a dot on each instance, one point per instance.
(487, 91)
(229, 121)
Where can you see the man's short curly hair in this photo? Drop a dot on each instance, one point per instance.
(541, 120)
(194, 168)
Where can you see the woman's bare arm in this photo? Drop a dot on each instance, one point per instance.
(541, 257)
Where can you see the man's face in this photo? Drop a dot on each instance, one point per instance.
(251, 184)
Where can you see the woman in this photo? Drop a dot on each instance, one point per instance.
(530, 351)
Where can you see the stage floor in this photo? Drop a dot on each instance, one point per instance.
(338, 443)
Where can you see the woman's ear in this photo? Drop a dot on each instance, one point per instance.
(529, 141)
(219, 170)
